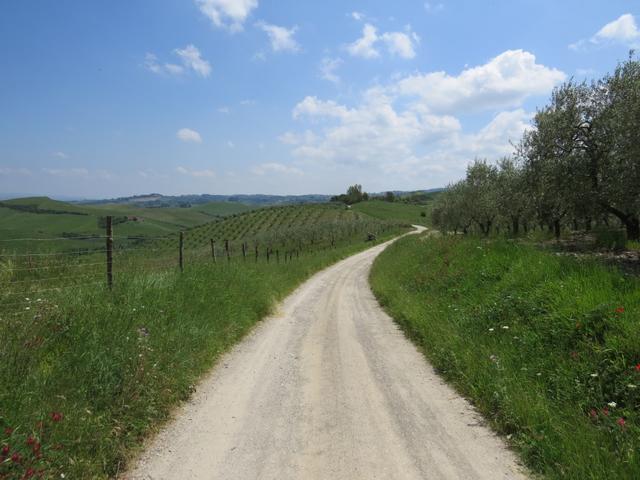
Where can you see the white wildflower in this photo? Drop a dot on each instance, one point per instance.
(612, 404)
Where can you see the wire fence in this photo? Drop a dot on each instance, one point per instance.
(28, 278)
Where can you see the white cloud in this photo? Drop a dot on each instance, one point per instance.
(229, 14)
(624, 30)
(60, 155)
(224, 110)
(505, 81)
(364, 46)
(402, 44)
(281, 38)
(230, 144)
(247, 102)
(196, 173)
(328, 66)
(358, 16)
(192, 59)
(410, 127)
(433, 7)
(273, 167)
(188, 135)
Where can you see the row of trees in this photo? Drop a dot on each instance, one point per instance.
(578, 165)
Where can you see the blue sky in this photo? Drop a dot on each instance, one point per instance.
(102, 99)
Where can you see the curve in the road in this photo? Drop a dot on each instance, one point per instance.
(327, 388)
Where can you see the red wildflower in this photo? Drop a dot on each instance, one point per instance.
(5, 450)
(36, 447)
(621, 422)
(638, 367)
(593, 413)
(620, 310)
(16, 458)
(605, 411)
(8, 431)
(31, 440)
(30, 472)
(56, 416)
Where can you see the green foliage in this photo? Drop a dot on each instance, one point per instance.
(396, 211)
(354, 195)
(102, 369)
(546, 347)
(610, 238)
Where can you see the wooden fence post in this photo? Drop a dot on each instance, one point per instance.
(213, 250)
(109, 252)
(268, 252)
(181, 253)
(244, 251)
(226, 247)
(256, 253)
(277, 256)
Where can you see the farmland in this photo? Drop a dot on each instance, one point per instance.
(88, 372)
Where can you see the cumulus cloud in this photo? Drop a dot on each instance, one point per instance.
(505, 81)
(402, 44)
(274, 167)
(411, 125)
(189, 136)
(328, 66)
(280, 38)
(365, 46)
(228, 14)
(190, 57)
(196, 173)
(66, 172)
(622, 31)
(433, 7)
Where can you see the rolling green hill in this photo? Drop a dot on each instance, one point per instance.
(396, 211)
(26, 223)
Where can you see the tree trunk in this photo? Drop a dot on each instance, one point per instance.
(556, 229)
(633, 228)
(515, 226)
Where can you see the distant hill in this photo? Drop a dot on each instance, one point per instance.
(156, 200)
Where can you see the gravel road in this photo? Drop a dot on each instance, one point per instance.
(326, 388)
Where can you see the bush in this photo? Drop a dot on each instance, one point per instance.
(610, 238)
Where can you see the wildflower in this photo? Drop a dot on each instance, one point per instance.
(621, 422)
(593, 413)
(505, 327)
(31, 440)
(5, 450)
(491, 329)
(605, 411)
(30, 472)
(620, 310)
(612, 404)
(638, 367)
(56, 416)
(539, 374)
(8, 431)
(16, 458)
(593, 375)
(632, 386)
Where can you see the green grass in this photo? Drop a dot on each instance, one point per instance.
(547, 347)
(398, 211)
(41, 218)
(86, 373)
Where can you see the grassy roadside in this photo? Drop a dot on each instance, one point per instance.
(85, 376)
(547, 347)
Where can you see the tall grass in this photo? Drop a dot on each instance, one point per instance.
(87, 373)
(547, 347)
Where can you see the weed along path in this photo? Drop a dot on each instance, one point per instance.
(327, 388)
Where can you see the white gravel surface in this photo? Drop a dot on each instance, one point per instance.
(327, 388)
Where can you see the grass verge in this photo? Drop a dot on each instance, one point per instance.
(86, 374)
(547, 347)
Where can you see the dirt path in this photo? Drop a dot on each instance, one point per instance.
(328, 388)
